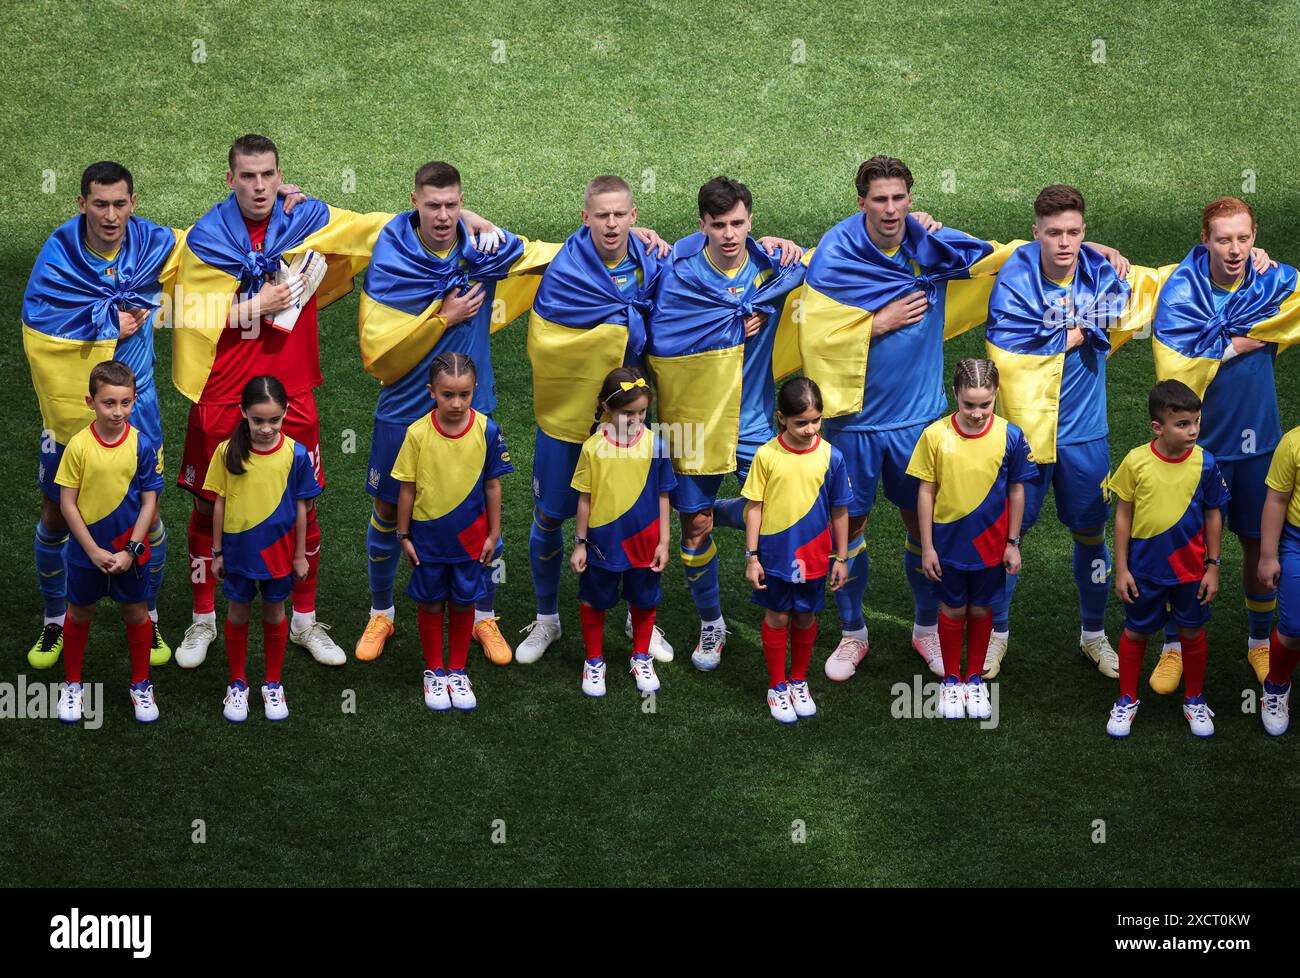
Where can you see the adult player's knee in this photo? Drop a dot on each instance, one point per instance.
(52, 517)
(544, 521)
(385, 510)
(695, 527)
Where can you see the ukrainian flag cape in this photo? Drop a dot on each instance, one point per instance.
(1026, 336)
(850, 278)
(696, 347)
(219, 259)
(580, 329)
(1190, 336)
(402, 294)
(70, 313)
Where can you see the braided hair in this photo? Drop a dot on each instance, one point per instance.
(975, 373)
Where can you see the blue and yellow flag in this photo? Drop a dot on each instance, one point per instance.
(696, 346)
(1027, 335)
(218, 259)
(581, 328)
(70, 320)
(850, 279)
(1191, 332)
(405, 284)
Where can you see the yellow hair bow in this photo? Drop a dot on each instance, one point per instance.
(628, 385)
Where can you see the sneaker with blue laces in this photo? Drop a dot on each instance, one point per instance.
(235, 706)
(436, 696)
(778, 701)
(952, 699)
(460, 690)
(71, 697)
(1121, 716)
(801, 698)
(593, 676)
(274, 704)
(144, 701)
(1276, 712)
(1198, 716)
(643, 671)
(978, 704)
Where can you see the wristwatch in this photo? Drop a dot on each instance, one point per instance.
(1213, 561)
(581, 540)
(1013, 541)
(135, 548)
(216, 553)
(750, 553)
(402, 536)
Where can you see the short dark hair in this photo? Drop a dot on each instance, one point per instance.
(605, 184)
(721, 194)
(106, 171)
(437, 174)
(1171, 395)
(114, 373)
(1057, 199)
(882, 168)
(251, 145)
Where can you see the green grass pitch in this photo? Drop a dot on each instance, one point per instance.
(1150, 109)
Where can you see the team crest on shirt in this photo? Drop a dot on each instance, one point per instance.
(373, 478)
(188, 476)
(736, 289)
(620, 280)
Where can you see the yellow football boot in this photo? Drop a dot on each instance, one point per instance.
(371, 644)
(495, 646)
(1168, 672)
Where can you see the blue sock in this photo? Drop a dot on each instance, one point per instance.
(701, 566)
(546, 557)
(924, 600)
(1259, 611)
(730, 513)
(1002, 610)
(157, 561)
(383, 550)
(848, 599)
(494, 573)
(52, 569)
(1092, 578)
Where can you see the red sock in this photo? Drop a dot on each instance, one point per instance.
(236, 650)
(75, 634)
(304, 591)
(801, 646)
(275, 636)
(431, 638)
(1131, 652)
(978, 631)
(203, 586)
(1194, 665)
(643, 628)
(1281, 660)
(462, 625)
(950, 640)
(774, 640)
(593, 630)
(139, 638)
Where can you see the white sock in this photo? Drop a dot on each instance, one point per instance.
(1175, 644)
(1087, 636)
(549, 619)
(1256, 643)
(206, 616)
(56, 619)
(153, 615)
(859, 633)
(302, 620)
(717, 623)
(388, 612)
(483, 615)
(1002, 635)
(920, 631)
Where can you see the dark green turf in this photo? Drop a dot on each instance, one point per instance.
(706, 789)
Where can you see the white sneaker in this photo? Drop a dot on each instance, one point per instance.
(1276, 712)
(1121, 716)
(993, 657)
(1099, 651)
(144, 701)
(435, 691)
(643, 671)
(952, 699)
(315, 639)
(659, 647)
(593, 676)
(801, 698)
(235, 705)
(778, 701)
(978, 704)
(1198, 714)
(540, 636)
(708, 653)
(460, 690)
(273, 702)
(71, 698)
(844, 661)
(927, 647)
(194, 646)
